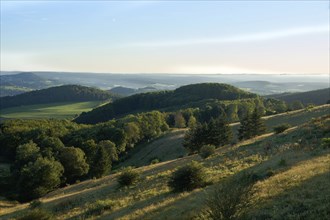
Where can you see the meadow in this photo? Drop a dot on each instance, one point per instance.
(169, 146)
(292, 170)
(63, 110)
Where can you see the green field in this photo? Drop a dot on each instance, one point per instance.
(63, 110)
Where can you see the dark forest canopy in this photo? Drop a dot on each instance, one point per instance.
(65, 93)
(183, 96)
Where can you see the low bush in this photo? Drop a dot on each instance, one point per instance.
(206, 151)
(154, 160)
(281, 128)
(282, 162)
(325, 143)
(99, 207)
(39, 214)
(189, 177)
(128, 177)
(35, 204)
(231, 198)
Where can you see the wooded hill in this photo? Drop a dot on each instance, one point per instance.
(183, 96)
(66, 93)
(317, 97)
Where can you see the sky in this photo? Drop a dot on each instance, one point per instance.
(263, 37)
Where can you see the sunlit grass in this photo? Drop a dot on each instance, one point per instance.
(63, 110)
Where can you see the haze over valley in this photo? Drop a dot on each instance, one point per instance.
(204, 110)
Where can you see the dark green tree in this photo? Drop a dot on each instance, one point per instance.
(196, 137)
(38, 178)
(25, 153)
(244, 131)
(219, 132)
(74, 162)
(252, 125)
(257, 123)
(110, 148)
(102, 163)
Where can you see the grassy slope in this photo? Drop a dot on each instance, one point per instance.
(301, 182)
(169, 146)
(63, 110)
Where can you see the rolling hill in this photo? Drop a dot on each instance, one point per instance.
(182, 96)
(23, 82)
(317, 97)
(66, 93)
(291, 181)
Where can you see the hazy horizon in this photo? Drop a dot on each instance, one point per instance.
(166, 37)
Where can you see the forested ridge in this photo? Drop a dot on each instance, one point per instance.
(65, 93)
(183, 96)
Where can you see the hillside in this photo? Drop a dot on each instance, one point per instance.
(317, 97)
(66, 93)
(183, 96)
(291, 183)
(169, 146)
(23, 82)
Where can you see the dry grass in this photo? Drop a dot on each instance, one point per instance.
(152, 199)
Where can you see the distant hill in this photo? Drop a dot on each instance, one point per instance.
(164, 99)
(125, 91)
(23, 82)
(66, 93)
(317, 97)
(270, 88)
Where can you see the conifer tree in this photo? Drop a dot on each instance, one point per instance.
(252, 125)
(257, 124)
(219, 132)
(102, 163)
(244, 131)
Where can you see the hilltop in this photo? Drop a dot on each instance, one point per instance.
(23, 82)
(175, 99)
(317, 97)
(66, 93)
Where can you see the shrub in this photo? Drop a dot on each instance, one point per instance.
(154, 160)
(325, 143)
(99, 207)
(39, 214)
(206, 151)
(189, 177)
(281, 128)
(128, 177)
(282, 162)
(230, 199)
(35, 204)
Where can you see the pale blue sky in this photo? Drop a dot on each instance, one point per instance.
(166, 36)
